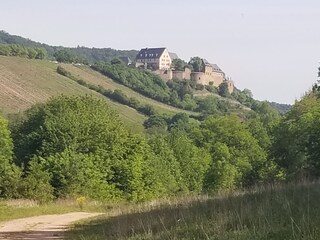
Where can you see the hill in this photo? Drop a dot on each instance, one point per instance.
(24, 82)
(87, 74)
(90, 54)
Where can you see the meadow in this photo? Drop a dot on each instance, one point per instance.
(273, 212)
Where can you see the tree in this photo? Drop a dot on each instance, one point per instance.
(196, 63)
(32, 53)
(234, 152)
(64, 56)
(178, 64)
(194, 161)
(41, 53)
(223, 89)
(296, 141)
(9, 173)
(116, 61)
(155, 121)
(92, 155)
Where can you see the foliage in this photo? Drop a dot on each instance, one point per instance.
(223, 89)
(282, 108)
(194, 161)
(155, 121)
(237, 158)
(116, 95)
(65, 56)
(9, 173)
(22, 51)
(296, 139)
(80, 54)
(143, 82)
(179, 65)
(196, 64)
(93, 156)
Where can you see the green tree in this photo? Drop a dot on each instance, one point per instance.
(32, 53)
(196, 64)
(178, 64)
(9, 173)
(91, 155)
(234, 149)
(223, 89)
(193, 161)
(157, 121)
(41, 53)
(296, 139)
(64, 56)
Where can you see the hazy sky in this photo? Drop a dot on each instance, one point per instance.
(271, 47)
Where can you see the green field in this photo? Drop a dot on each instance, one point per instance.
(275, 212)
(24, 82)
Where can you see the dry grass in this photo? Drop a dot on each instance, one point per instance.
(273, 212)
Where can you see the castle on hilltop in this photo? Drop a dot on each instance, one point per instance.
(159, 60)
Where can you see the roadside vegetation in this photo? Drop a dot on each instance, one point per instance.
(271, 212)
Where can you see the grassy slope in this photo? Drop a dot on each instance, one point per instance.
(25, 82)
(96, 78)
(287, 212)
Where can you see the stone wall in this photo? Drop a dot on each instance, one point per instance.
(165, 75)
(181, 75)
(214, 79)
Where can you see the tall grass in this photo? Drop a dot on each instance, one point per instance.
(274, 212)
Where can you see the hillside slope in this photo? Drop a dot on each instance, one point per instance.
(96, 78)
(25, 82)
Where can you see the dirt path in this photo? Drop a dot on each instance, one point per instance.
(44, 227)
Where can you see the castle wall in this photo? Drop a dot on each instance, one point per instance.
(181, 75)
(165, 75)
(204, 78)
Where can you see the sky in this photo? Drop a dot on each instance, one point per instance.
(271, 47)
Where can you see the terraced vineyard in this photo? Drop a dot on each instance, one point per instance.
(93, 77)
(25, 82)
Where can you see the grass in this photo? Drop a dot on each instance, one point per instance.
(281, 212)
(13, 209)
(24, 82)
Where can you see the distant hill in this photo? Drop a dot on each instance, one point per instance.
(282, 108)
(92, 55)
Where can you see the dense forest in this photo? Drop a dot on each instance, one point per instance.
(50, 152)
(77, 54)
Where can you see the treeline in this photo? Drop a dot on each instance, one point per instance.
(116, 95)
(78, 54)
(75, 146)
(22, 51)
